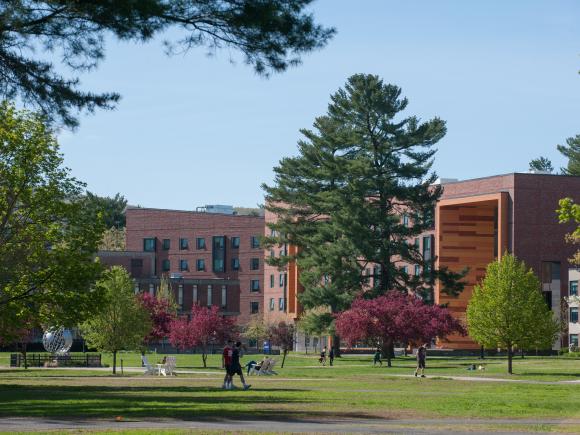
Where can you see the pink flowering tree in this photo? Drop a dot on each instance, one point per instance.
(161, 312)
(395, 318)
(282, 335)
(207, 326)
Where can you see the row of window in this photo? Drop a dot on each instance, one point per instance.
(150, 243)
(195, 298)
(217, 264)
(281, 304)
(282, 278)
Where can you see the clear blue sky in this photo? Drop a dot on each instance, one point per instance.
(193, 130)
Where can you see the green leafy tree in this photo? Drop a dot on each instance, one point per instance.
(113, 240)
(256, 329)
(112, 209)
(541, 164)
(270, 34)
(359, 190)
(570, 212)
(571, 151)
(48, 240)
(122, 322)
(507, 310)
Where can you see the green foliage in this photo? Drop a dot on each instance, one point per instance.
(256, 329)
(570, 212)
(112, 209)
(541, 164)
(317, 321)
(48, 239)
(508, 310)
(340, 202)
(572, 151)
(271, 35)
(122, 322)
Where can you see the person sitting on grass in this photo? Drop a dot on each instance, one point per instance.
(377, 358)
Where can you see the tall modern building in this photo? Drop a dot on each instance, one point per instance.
(211, 257)
(476, 222)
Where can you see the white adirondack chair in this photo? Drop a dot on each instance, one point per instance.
(149, 370)
(167, 369)
(270, 368)
(262, 369)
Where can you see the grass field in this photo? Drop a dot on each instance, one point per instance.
(303, 389)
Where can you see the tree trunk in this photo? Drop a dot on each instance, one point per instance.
(510, 356)
(482, 353)
(336, 345)
(114, 362)
(388, 352)
(283, 359)
(24, 355)
(204, 358)
(522, 353)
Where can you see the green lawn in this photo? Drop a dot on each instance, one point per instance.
(303, 389)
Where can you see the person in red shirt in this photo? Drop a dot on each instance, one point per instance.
(227, 357)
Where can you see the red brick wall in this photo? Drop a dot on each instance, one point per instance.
(172, 224)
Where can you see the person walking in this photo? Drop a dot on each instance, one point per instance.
(235, 367)
(377, 358)
(227, 355)
(421, 357)
(331, 356)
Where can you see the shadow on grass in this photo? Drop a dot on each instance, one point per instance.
(575, 375)
(181, 402)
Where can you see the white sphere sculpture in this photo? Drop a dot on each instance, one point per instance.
(57, 340)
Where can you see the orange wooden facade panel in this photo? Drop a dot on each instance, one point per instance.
(473, 246)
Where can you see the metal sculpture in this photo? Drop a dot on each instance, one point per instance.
(57, 340)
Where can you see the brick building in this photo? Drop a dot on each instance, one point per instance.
(477, 221)
(210, 258)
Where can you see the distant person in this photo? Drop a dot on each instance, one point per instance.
(227, 356)
(322, 359)
(235, 367)
(377, 359)
(331, 356)
(421, 357)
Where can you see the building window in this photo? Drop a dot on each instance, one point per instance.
(574, 340)
(550, 271)
(427, 248)
(235, 264)
(209, 295)
(137, 289)
(255, 242)
(180, 295)
(280, 304)
(219, 254)
(548, 299)
(165, 265)
(224, 296)
(152, 289)
(404, 269)
(417, 270)
(405, 220)
(281, 279)
(573, 288)
(200, 264)
(254, 307)
(149, 245)
(183, 265)
(573, 314)
(254, 263)
(200, 243)
(235, 242)
(376, 276)
(272, 253)
(272, 303)
(183, 244)
(194, 294)
(272, 281)
(416, 243)
(166, 244)
(255, 285)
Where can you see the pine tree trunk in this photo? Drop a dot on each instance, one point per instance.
(510, 357)
(283, 358)
(114, 362)
(336, 345)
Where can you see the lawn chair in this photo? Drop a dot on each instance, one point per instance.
(167, 369)
(263, 368)
(149, 370)
(270, 368)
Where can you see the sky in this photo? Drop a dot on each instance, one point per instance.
(194, 129)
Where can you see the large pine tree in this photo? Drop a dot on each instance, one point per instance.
(572, 151)
(359, 191)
